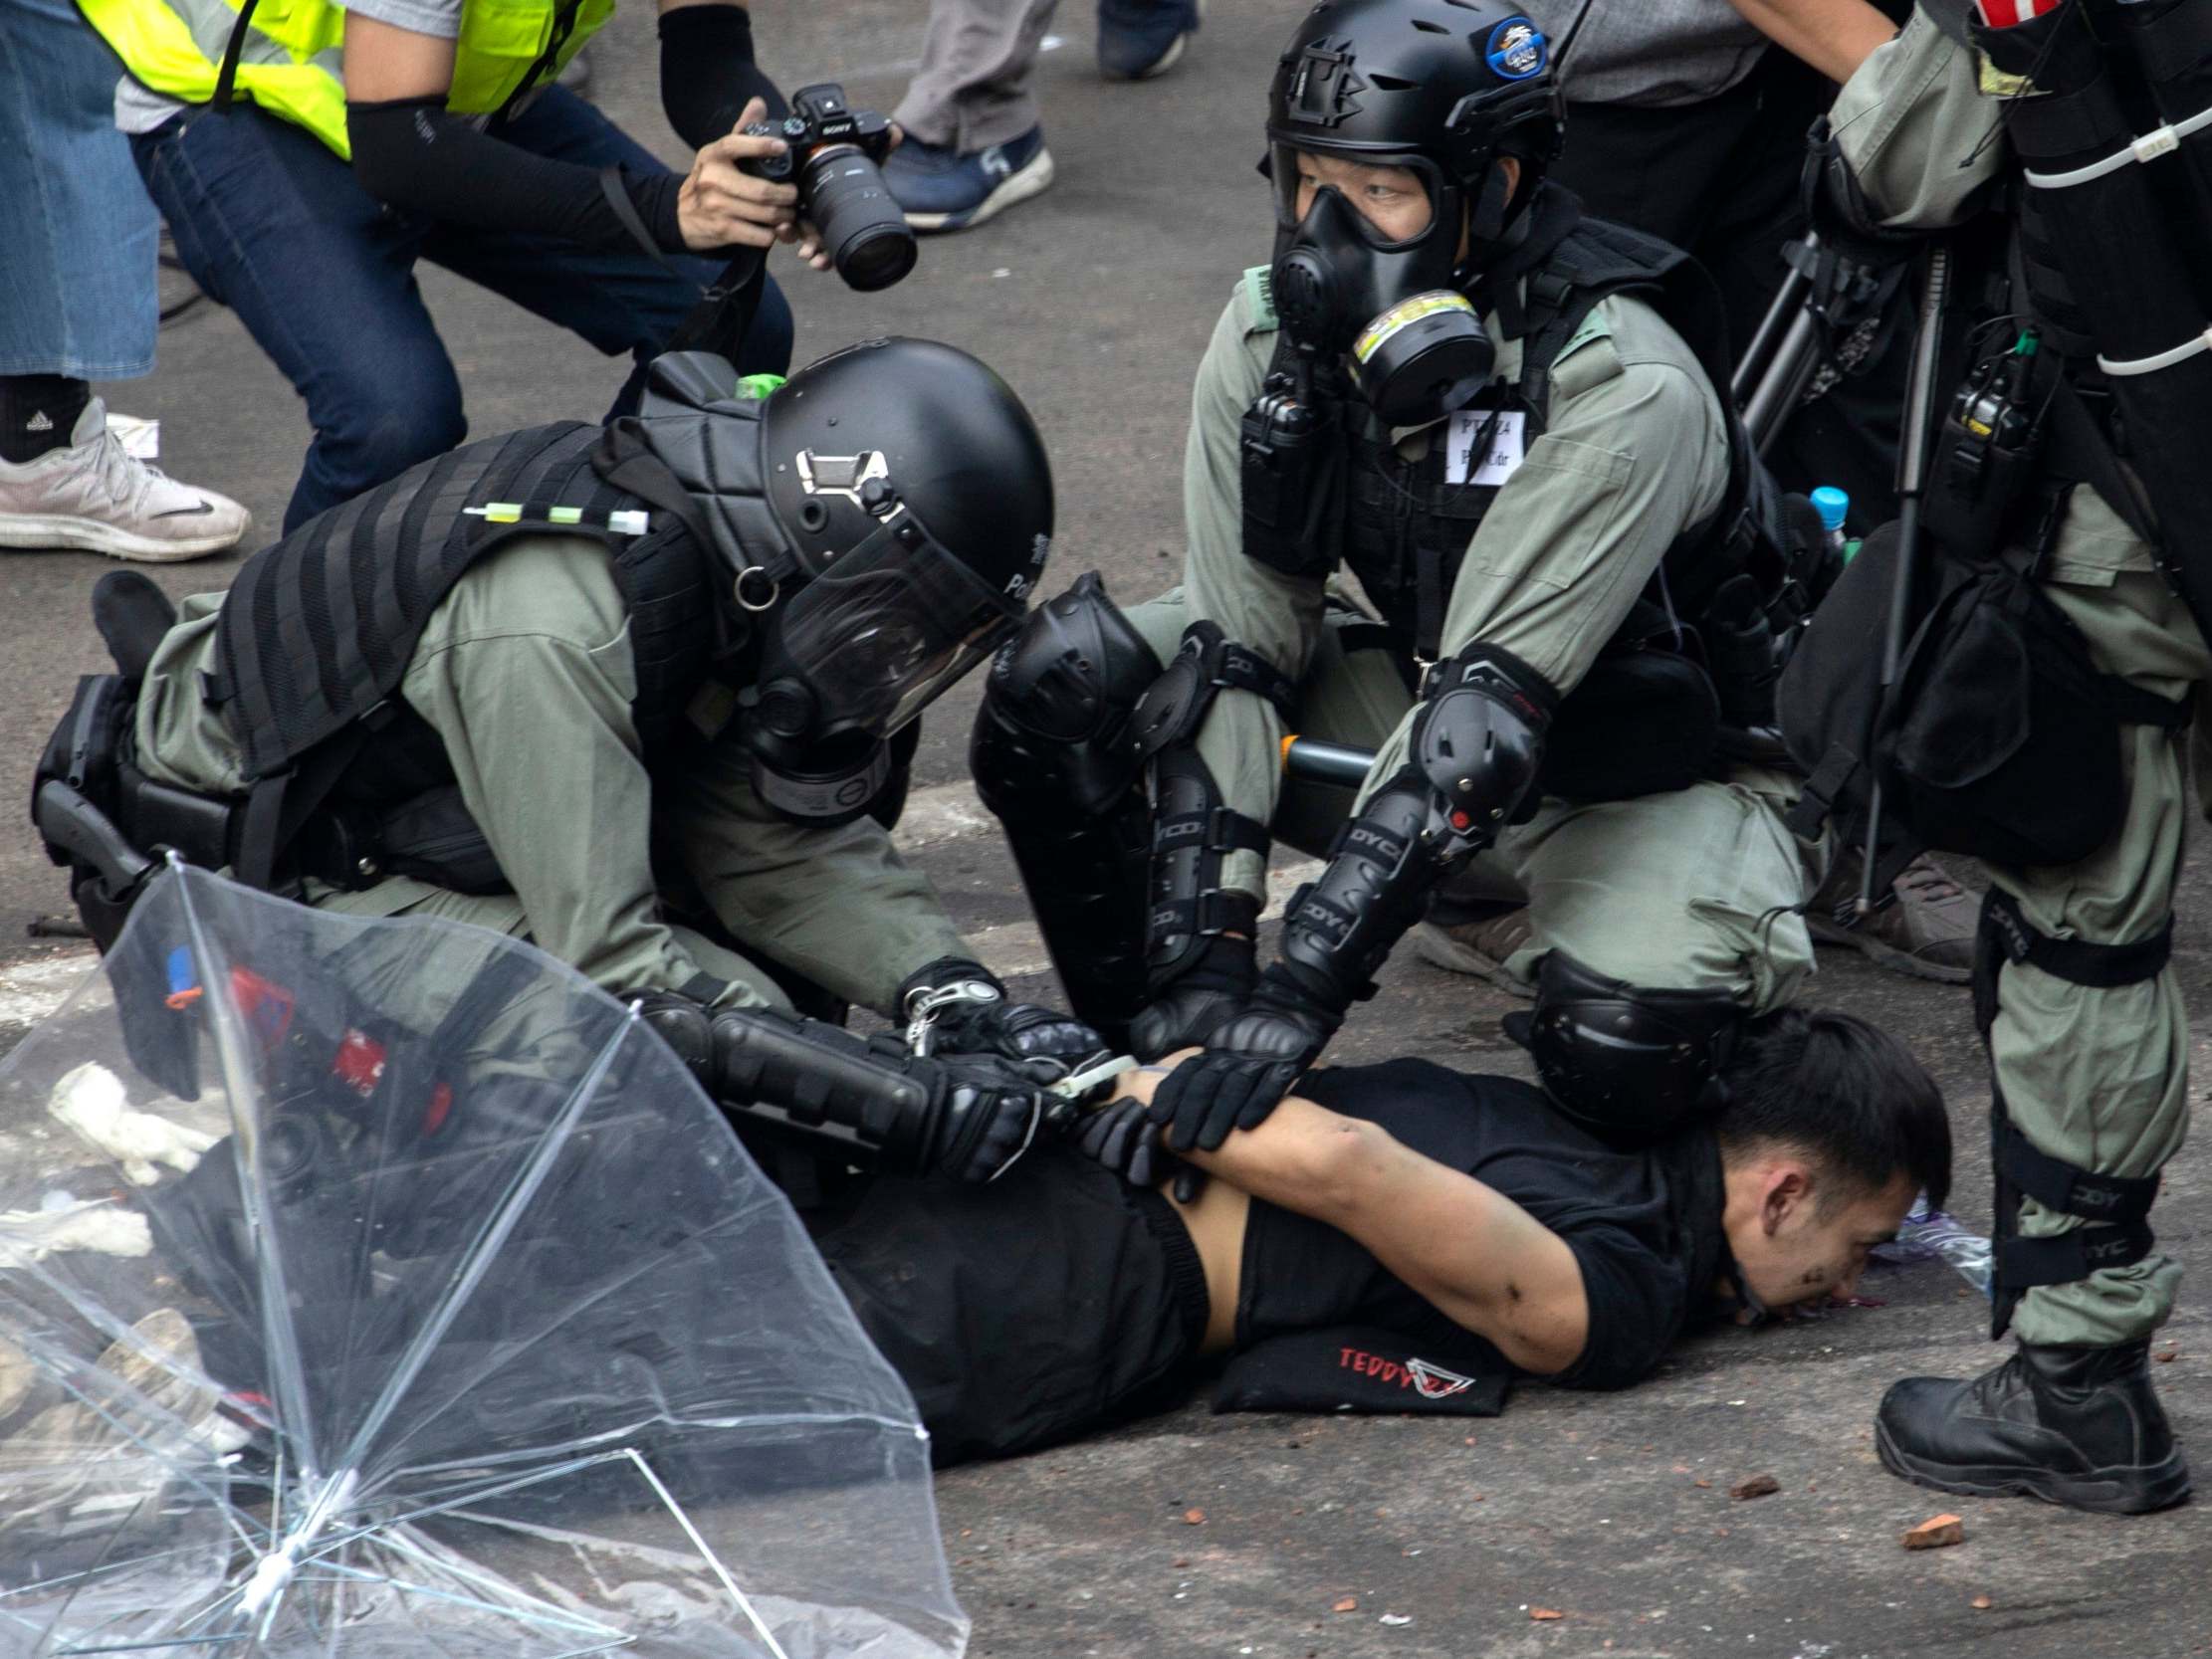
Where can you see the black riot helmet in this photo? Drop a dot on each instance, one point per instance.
(916, 501)
(1445, 88)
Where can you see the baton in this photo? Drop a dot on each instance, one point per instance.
(1310, 761)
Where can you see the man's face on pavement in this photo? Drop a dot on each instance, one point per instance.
(1793, 1247)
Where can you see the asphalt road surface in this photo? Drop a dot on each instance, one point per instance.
(1449, 1539)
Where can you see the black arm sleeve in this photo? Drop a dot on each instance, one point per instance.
(708, 74)
(415, 154)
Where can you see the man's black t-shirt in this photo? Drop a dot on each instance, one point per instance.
(1645, 1226)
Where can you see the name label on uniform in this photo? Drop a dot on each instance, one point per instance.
(1499, 459)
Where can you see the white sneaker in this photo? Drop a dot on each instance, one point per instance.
(91, 494)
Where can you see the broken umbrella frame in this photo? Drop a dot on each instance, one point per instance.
(382, 1288)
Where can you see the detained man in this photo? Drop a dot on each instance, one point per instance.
(1395, 1237)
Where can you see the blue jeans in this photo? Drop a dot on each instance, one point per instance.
(78, 237)
(273, 224)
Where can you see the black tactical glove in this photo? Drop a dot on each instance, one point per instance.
(966, 1118)
(684, 1024)
(1121, 1137)
(1249, 1066)
(955, 1006)
(1190, 1008)
(985, 1117)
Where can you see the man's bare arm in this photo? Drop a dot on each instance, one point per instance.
(1834, 36)
(1466, 1249)
(384, 62)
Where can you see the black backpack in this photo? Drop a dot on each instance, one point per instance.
(2002, 737)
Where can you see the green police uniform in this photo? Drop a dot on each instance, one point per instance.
(1682, 889)
(2095, 1077)
(526, 674)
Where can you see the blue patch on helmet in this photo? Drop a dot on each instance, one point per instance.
(1517, 49)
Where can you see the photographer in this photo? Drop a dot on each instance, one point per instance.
(305, 160)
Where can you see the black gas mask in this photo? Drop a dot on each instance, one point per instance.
(1412, 341)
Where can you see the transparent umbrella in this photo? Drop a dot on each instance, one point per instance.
(380, 1288)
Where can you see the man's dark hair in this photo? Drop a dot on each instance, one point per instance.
(1845, 1091)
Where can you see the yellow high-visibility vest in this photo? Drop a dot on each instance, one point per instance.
(287, 51)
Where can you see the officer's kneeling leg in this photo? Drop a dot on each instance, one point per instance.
(1053, 758)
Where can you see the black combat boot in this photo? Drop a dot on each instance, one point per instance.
(2072, 1426)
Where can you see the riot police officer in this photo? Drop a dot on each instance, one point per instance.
(632, 690)
(1501, 417)
(2047, 124)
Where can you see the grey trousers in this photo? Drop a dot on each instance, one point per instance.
(972, 89)
(2099, 1077)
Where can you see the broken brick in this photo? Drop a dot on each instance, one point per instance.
(1545, 1613)
(1193, 1517)
(1936, 1533)
(1346, 1605)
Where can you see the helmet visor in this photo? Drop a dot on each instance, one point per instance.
(889, 626)
(1394, 197)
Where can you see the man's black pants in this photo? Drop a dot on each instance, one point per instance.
(1026, 1312)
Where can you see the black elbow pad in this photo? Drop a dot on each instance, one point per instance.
(1479, 741)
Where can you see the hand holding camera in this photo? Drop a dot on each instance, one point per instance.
(812, 179)
(725, 202)
(832, 154)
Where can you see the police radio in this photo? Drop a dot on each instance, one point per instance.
(1986, 454)
(1288, 460)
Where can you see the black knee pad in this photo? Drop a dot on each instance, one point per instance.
(1055, 759)
(1631, 1065)
(1053, 728)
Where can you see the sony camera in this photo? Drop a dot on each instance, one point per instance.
(836, 158)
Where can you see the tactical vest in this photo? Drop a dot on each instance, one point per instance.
(317, 633)
(1408, 526)
(286, 56)
(1686, 686)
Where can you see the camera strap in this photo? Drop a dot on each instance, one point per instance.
(723, 315)
(619, 198)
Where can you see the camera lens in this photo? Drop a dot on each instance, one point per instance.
(863, 228)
